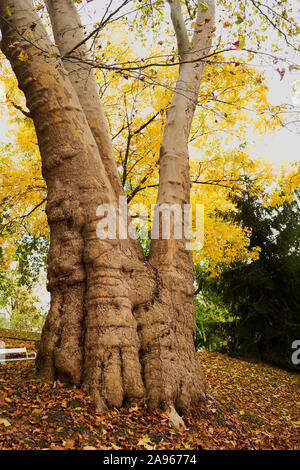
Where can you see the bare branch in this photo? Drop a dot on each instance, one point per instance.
(103, 22)
(19, 108)
(269, 20)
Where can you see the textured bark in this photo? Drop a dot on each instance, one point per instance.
(68, 32)
(119, 325)
(171, 259)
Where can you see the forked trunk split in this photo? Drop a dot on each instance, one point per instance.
(121, 324)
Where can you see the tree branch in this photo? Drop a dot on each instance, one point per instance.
(204, 26)
(179, 27)
(199, 288)
(273, 24)
(19, 108)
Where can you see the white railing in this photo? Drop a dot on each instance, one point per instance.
(24, 355)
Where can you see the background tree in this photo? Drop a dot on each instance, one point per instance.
(20, 307)
(259, 300)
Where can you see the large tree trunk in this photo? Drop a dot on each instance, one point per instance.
(120, 325)
(67, 34)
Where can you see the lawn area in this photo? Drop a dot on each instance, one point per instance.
(251, 406)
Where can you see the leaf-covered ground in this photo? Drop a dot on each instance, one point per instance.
(251, 406)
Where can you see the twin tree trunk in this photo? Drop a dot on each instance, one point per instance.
(120, 325)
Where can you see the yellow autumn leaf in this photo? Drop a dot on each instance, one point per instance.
(146, 443)
(5, 422)
(23, 56)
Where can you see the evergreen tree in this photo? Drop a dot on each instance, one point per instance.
(264, 295)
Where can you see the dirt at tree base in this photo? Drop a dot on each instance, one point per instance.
(251, 406)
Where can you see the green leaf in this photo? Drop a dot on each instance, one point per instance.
(75, 404)
(8, 11)
(239, 20)
(30, 37)
(242, 42)
(203, 7)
